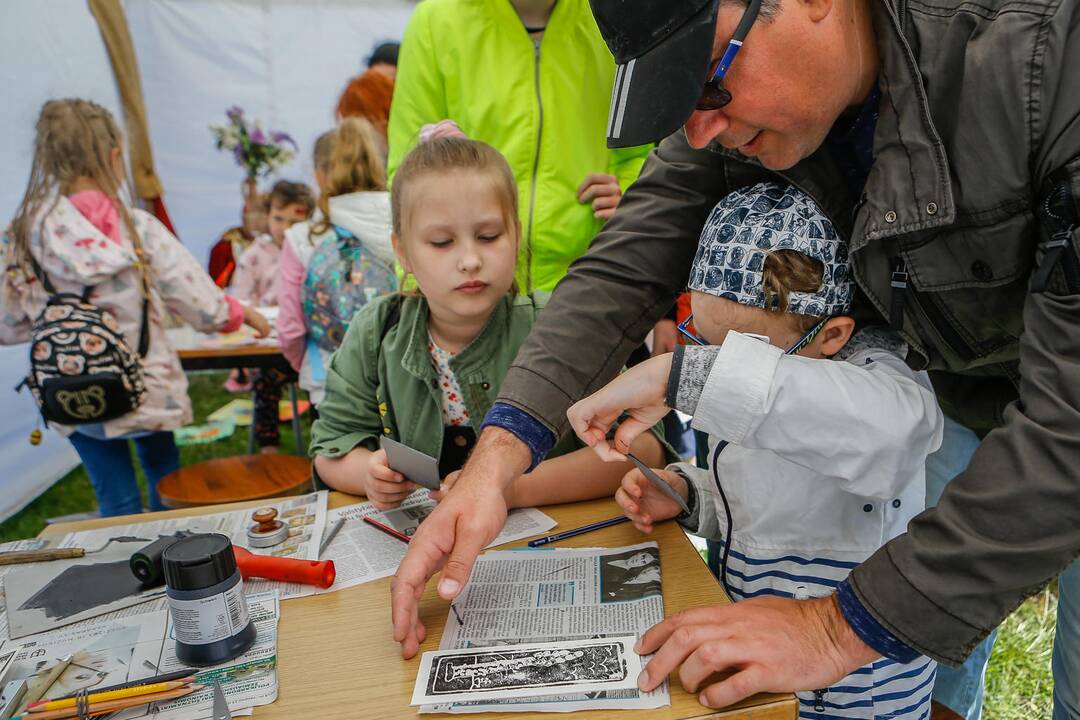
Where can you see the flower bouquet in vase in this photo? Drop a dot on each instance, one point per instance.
(257, 151)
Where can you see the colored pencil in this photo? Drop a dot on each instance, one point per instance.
(111, 705)
(387, 529)
(579, 531)
(184, 674)
(107, 695)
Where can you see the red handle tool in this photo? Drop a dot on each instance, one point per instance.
(319, 573)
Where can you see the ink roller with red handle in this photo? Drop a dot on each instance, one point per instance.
(147, 566)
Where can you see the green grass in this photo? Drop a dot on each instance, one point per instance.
(1019, 684)
(73, 494)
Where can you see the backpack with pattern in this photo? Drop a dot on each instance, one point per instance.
(342, 277)
(82, 370)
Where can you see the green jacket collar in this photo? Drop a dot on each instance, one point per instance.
(416, 359)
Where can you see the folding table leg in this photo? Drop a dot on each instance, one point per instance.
(298, 436)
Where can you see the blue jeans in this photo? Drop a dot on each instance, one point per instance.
(112, 473)
(1066, 661)
(960, 689)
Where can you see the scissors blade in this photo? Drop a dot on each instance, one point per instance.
(221, 708)
(659, 483)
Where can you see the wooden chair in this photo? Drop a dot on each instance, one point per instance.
(235, 479)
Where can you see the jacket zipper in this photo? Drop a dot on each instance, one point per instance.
(535, 168)
(819, 701)
(938, 322)
(1056, 249)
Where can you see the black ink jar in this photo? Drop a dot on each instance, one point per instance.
(206, 600)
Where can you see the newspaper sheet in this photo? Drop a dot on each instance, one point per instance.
(510, 671)
(362, 554)
(135, 644)
(305, 515)
(519, 596)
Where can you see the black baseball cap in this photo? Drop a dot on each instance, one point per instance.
(663, 50)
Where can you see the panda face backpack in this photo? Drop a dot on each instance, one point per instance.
(82, 369)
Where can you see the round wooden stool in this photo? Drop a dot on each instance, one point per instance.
(235, 479)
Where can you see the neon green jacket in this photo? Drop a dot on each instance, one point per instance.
(544, 107)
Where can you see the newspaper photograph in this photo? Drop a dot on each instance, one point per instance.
(135, 644)
(560, 595)
(362, 554)
(508, 672)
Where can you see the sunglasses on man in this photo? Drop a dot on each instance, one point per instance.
(715, 95)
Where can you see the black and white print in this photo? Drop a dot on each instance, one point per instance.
(527, 670)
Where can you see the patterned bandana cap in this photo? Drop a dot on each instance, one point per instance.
(747, 225)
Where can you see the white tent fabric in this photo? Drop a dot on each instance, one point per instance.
(283, 61)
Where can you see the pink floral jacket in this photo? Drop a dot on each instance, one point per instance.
(76, 254)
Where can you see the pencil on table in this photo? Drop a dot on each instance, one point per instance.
(44, 705)
(110, 705)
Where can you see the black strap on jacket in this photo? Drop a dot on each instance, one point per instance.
(144, 326)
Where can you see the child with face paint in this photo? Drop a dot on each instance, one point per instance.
(818, 432)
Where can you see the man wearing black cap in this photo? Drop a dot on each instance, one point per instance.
(943, 139)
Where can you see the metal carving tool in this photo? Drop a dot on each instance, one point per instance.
(221, 708)
(659, 483)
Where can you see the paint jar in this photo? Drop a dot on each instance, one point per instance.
(206, 600)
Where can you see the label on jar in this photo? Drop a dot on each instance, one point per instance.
(213, 618)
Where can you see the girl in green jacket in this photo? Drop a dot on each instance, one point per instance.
(423, 368)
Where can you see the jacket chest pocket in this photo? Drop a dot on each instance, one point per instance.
(968, 285)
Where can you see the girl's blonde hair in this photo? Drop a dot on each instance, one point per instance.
(788, 271)
(74, 139)
(348, 158)
(449, 154)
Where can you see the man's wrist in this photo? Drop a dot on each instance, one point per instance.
(869, 632)
(519, 425)
(501, 454)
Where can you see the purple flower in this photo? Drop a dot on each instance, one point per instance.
(282, 137)
(258, 136)
(238, 153)
(235, 113)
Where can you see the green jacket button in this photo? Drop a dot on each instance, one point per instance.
(890, 217)
(982, 271)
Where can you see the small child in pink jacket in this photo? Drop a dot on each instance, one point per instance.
(256, 282)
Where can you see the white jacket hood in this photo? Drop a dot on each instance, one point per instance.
(367, 216)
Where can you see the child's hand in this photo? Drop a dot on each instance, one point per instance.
(602, 190)
(256, 321)
(444, 486)
(646, 505)
(639, 392)
(386, 488)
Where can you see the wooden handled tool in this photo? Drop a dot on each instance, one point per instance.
(28, 556)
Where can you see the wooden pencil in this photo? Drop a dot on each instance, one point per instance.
(110, 705)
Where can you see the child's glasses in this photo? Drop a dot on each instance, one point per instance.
(686, 327)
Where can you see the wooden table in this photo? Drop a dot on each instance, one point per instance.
(259, 355)
(337, 659)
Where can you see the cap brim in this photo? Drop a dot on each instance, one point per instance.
(655, 93)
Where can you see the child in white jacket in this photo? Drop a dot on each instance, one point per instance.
(74, 226)
(818, 438)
